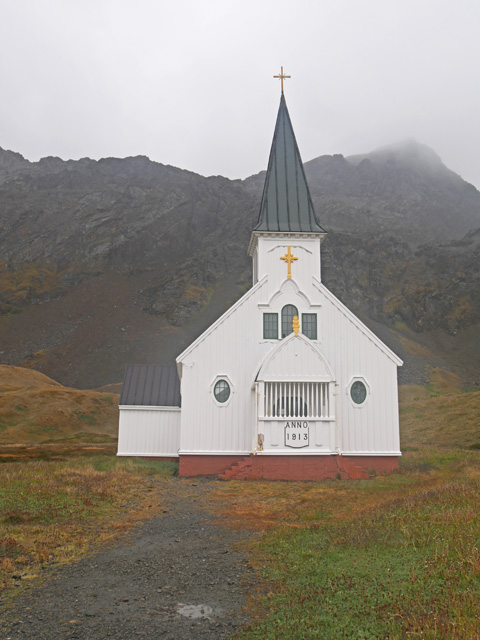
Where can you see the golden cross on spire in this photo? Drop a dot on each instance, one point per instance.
(282, 76)
(289, 258)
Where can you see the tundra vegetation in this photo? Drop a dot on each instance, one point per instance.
(391, 557)
(57, 502)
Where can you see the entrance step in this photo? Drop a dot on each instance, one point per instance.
(241, 469)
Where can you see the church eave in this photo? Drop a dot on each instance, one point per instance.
(181, 358)
(282, 234)
(357, 322)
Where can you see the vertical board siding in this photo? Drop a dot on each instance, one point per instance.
(235, 348)
(373, 426)
(149, 432)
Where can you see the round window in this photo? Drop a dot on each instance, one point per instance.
(358, 392)
(221, 391)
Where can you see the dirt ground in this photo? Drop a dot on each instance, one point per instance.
(179, 576)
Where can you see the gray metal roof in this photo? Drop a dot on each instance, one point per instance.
(154, 385)
(286, 201)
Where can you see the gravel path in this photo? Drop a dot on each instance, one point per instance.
(177, 576)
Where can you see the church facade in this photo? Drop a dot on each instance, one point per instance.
(288, 383)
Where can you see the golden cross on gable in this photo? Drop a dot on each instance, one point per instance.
(282, 76)
(296, 325)
(289, 258)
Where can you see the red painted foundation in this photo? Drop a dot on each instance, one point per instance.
(287, 467)
(204, 465)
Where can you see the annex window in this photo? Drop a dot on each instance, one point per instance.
(296, 400)
(309, 325)
(288, 312)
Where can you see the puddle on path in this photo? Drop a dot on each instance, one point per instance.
(196, 611)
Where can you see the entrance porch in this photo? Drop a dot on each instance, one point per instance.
(295, 417)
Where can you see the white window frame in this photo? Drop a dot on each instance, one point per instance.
(212, 389)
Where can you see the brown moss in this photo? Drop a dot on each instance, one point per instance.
(462, 313)
(35, 409)
(194, 293)
(25, 281)
(442, 420)
(445, 382)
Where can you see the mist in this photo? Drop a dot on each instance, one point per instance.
(191, 84)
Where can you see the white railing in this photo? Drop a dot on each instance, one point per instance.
(296, 400)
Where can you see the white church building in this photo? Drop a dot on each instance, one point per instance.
(286, 384)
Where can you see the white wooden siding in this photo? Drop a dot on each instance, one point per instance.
(373, 426)
(296, 358)
(149, 431)
(306, 250)
(321, 438)
(234, 346)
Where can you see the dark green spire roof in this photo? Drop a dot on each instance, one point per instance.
(286, 201)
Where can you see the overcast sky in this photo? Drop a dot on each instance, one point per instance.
(189, 82)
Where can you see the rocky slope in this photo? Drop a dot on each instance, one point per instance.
(106, 262)
(432, 286)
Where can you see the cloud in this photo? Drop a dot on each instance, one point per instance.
(191, 84)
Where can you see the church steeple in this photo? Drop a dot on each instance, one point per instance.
(286, 202)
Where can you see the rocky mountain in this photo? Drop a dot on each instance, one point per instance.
(113, 261)
(403, 190)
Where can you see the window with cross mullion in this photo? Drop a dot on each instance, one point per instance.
(309, 325)
(270, 326)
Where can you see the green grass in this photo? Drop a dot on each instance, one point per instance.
(63, 491)
(405, 562)
(431, 391)
(137, 465)
(86, 416)
(54, 510)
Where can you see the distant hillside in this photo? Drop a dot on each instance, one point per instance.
(35, 409)
(115, 261)
(440, 414)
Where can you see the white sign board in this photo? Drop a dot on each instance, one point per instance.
(296, 434)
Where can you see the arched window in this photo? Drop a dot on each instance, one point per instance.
(288, 312)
